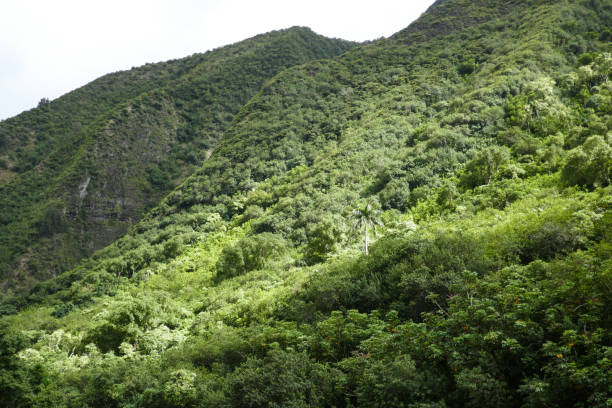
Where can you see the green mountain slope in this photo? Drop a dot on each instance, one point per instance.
(480, 137)
(89, 163)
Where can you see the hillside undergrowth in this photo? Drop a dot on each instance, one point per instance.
(480, 136)
(110, 151)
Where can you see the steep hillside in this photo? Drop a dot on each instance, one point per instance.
(477, 142)
(86, 166)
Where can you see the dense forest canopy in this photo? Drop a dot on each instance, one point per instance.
(478, 141)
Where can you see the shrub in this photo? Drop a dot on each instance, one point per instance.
(322, 239)
(484, 167)
(466, 68)
(589, 165)
(282, 379)
(250, 253)
(52, 222)
(396, 194)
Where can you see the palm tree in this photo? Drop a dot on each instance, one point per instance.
(365, 218)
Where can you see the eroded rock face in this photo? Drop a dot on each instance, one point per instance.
(83, 186)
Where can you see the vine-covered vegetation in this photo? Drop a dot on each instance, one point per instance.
(478, 141)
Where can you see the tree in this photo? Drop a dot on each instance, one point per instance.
(250, 253)
(484, 167)
(365, 218)
(589, 165)
(446, 197)
(43, 102)
(322, 238)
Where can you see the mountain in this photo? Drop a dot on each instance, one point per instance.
(478, 142)
(78, 171)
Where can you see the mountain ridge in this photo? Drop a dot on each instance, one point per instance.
(484, 158)
(168, 156)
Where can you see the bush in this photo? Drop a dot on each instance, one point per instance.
(466, 68)
(250, 253)
(484, 167)
(589, 165)
(62, 310)
(52, 222)
(282, 379)
(395, 383)
(396, 194)
(322, 239)
(548, 240)
(7, 309)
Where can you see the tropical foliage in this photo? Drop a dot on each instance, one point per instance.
(80, 170)
(482, 132)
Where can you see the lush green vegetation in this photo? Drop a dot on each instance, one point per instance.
(480, 138)
(86, 166)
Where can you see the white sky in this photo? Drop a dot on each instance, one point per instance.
(50, 47)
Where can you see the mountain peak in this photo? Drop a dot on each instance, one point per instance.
(133, 135)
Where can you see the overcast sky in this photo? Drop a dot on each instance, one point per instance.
(50, 47)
